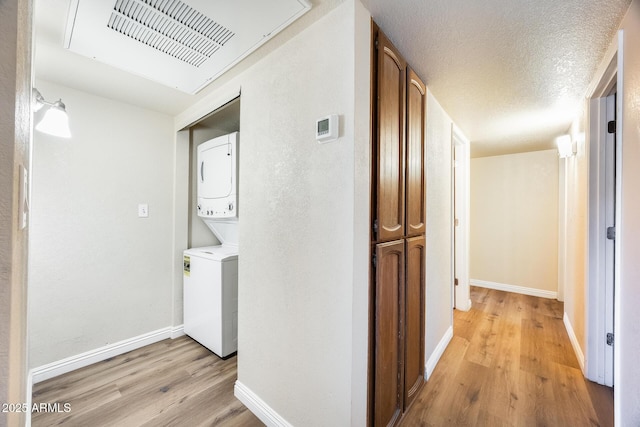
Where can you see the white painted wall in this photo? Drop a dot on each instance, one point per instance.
(563, 221)
(362, 204)
(627, 298)
(297, 230)
(98, 274)
(514, 220)
(303, 265)
(439, 315)
(15, 145)
(627, 380)
(573, 237)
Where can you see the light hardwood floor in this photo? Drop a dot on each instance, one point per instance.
(510, 363)
(170, 383)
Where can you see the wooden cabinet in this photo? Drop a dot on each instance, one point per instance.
(415, 195)
(389, 293)
(397, 238)
(414, 318)
(390, 141)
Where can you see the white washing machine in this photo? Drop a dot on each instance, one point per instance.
(211, 297)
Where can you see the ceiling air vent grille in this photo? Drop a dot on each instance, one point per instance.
(170, 26)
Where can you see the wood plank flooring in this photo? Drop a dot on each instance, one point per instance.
(510, 363)
(170, 383)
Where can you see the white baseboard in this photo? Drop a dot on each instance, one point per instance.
(437, 353)
(465, 307)
(177, 331)
(72, 363)
(29, 398)
(515, 289)
(258, 406)
(574, 341)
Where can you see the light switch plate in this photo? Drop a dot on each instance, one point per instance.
(143, 210)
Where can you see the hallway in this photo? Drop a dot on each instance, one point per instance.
(510, 363)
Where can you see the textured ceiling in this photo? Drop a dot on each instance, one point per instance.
(511, 73)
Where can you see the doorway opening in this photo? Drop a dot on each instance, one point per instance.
(461, 193)
(604, 202)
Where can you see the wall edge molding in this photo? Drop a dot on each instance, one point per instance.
(514, 288)
(438, 352)
(54, 369)
(574, 341)
(260, 409)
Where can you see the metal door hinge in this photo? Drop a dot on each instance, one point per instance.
(609, 338)
(374, 260)
(455, 282)
(456, 222)
(611, 126)
(375, 227)
(611, 233)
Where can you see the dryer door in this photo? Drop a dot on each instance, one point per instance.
(215, 171)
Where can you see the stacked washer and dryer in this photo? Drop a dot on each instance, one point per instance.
(211, 272)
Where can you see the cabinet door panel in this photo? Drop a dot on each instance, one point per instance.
(414, 323)
(389, 295)
(415, 190)
(390, 183)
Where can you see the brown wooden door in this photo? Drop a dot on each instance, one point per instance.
(415, 186)
(389, 323)
(414, 318)
(390, 177)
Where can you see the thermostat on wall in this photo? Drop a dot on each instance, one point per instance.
(327, 128)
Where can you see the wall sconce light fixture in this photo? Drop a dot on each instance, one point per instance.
(565, 146)
(55, 121)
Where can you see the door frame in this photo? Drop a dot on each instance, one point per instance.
(460, 188)
(600, 302)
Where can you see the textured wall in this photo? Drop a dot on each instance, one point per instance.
(575, 170)
(514, 217)
(15, 124)
(98, 274)
(303, 231)
(362, 203)
(628, 316)
(439, 317)
(297, 227)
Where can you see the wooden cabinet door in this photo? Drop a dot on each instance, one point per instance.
(414, 318)
(390, 147)
(389, 322)
(415, 186)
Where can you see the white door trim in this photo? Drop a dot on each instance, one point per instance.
(598, 363)
(461, 179)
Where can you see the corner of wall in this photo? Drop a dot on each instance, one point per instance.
(435, 356)
(259, 407)
(361, 199)
(574, 342)
(15, 150)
